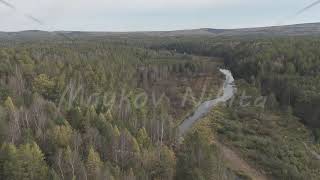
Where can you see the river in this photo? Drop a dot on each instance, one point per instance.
(229, 90)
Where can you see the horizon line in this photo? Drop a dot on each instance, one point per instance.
(170, 30)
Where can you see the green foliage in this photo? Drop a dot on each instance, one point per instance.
(86, 138)
(195, 159)
(25, 62)
(26, 162)
(60, 135)
(286, 67)
(143, 138)
(274, 142)
(7, 160)
(5, 65)
(9, 105)
(57, 95)
(94, 165)
(161, 163)
(43, 85)
(116, 132)
(3, 124)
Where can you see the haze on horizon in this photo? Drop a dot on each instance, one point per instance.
(147, 15)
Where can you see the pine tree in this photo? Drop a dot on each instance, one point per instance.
(93, 164)
(135, 145)
(26, 163)
(43, 85)
(116, 132)
(61, 135)
(8, 155)
(143, 138)
(9, 105)
(5, 65)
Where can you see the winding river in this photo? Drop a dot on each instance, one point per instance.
(229, 90)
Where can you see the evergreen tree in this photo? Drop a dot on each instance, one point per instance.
(26, 162)
(8, 161)
(93, 164)
(143, 138)
(9, 105)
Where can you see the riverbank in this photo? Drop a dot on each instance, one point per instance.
(229, 90)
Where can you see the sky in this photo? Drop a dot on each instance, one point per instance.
(151, 15)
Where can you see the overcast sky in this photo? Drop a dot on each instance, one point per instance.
(140, 15)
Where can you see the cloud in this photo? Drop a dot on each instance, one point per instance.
(139, 14)
(144, 3)
(88, 6)
(50, 12)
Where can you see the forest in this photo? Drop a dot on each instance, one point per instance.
(110, 108)
(285, 67)
(285, 70)
(78, 111)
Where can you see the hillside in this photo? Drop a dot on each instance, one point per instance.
(289, 30)
(103, 105)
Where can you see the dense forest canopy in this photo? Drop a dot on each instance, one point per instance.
(93, 109)
(73, 111)
(287, 67)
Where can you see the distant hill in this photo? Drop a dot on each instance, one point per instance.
(288, 30)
